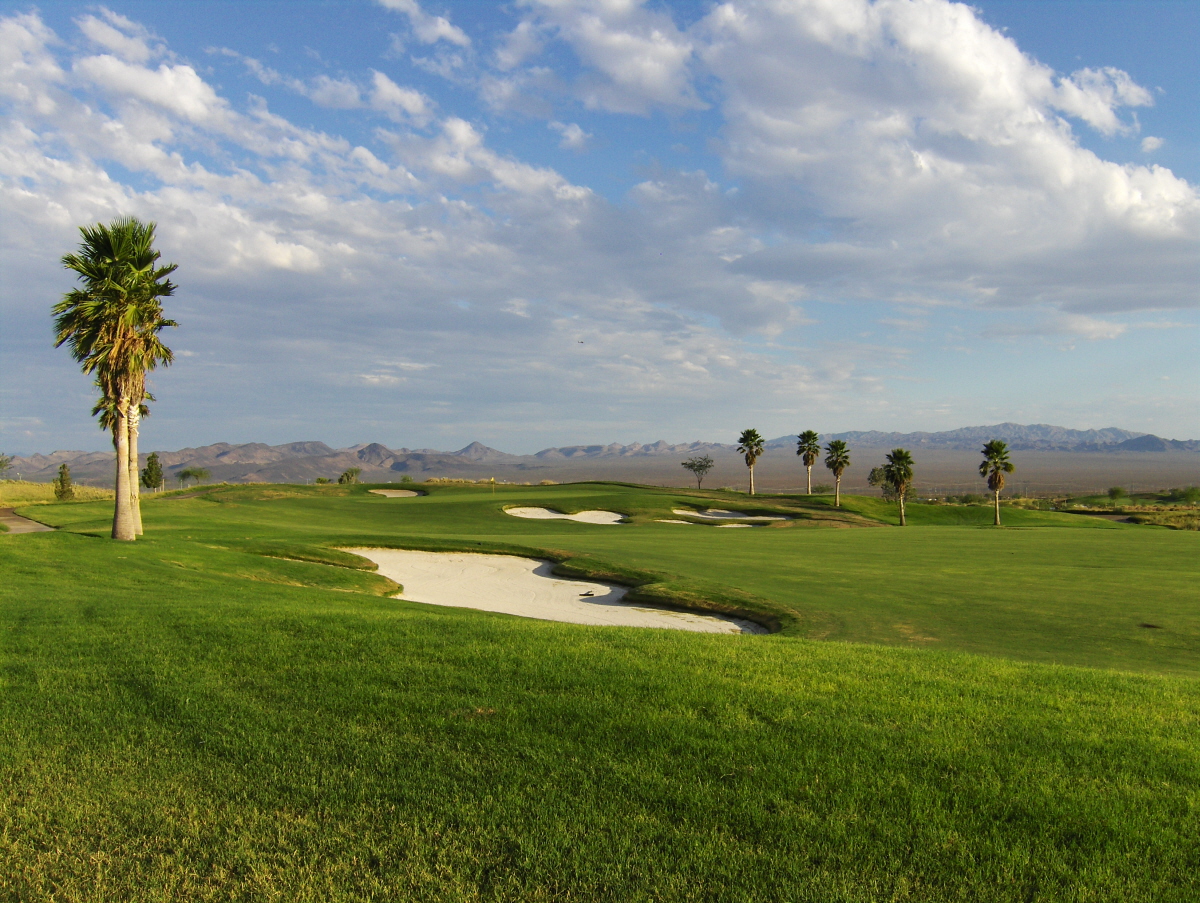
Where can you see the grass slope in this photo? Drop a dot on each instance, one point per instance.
(184, 718)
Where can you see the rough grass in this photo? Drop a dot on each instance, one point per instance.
(201, 716)
(20, 492)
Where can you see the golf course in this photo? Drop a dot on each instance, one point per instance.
(235, 707)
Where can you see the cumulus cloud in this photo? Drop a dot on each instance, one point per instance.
(428, 29)
(118, 35)
(636, 57)
(1150, 144)
(573, 135)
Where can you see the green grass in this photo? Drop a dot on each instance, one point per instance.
(199, 716)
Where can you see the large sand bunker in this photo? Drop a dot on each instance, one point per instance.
(396, 493)
(583, 517)
(722, 514)
(525, 587)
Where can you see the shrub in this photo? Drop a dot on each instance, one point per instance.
(322, 481)
(822, 489)
(63, 490)
(1116, 492)
(350, 475)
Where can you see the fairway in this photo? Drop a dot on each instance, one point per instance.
(234, 708)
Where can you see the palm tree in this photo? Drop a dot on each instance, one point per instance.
(994, 466)
(750, 444)
(111, 326)
(898, 471)
(808, 446)
(837, 460)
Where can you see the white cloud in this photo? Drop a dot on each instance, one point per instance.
(573, 136)
(177, 89)
(1077, 325)
(399, 102)
(428, 29)
(901, 153)
(337, 94)
(520, 44)
(128, 40)
(1095, 95)
(1150, 144)
(639, 57)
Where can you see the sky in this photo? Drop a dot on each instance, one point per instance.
(556, 222)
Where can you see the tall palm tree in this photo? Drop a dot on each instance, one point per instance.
(898, 471)
(111, 325)
(808, 446)
(750, 444)
(837, 460)
(994, 466)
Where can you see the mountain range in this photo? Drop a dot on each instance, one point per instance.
(303, 461)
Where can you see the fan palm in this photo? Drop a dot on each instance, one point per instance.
(898, 471)
(808, 446)
(750, 445)
(111, 325)
(837, 460)
(994, 466)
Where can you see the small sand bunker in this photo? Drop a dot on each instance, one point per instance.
(397, 493)
(735, 526)
(583, 517)
(667, 520)
(525, 587)
(722, 514)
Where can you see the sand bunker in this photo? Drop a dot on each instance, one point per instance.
(525, 587)
(667, 520)
(722, 514)
(396, 493)
(583, 517)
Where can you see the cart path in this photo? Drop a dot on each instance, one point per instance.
(18, 524)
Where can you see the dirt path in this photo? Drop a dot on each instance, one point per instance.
(18, 524)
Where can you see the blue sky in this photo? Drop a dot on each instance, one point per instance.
(545, 223)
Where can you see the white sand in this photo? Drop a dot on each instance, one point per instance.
(735, 526)
(396, 493)
(667, 520)
(722, 514)
(583, 517)
(525, 587)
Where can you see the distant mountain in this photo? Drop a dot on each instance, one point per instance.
(302, 461)
(1036, 437)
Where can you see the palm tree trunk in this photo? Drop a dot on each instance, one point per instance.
(902, 523)
(122, 528)
(997, 508)
(810, 479)
(752, 479)
(837, 490)
(135, 495)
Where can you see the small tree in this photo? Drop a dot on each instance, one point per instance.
(808, 447)
(878, 479)
(898, 474)
(699, 466)
(64, 490)
(837, 460)
(750, 444)
(321, 481)
(350, 476)
(1116, 492)
(199, 474)
(5, 464)
(994, 466)
(152, 473)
